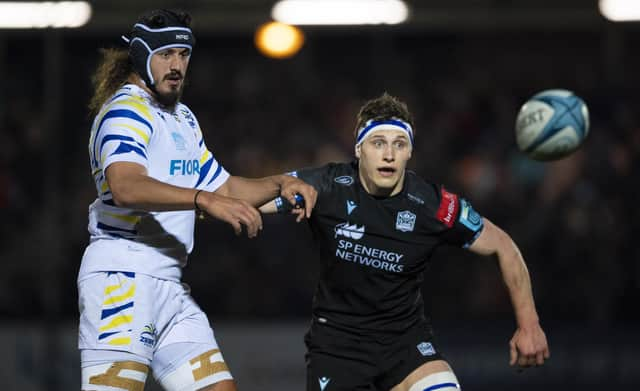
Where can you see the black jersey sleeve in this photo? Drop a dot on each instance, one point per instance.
(314, 176)
(462, 223)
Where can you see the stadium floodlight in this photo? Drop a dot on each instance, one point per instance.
(620, 10)
(43, 14)
(340, 12)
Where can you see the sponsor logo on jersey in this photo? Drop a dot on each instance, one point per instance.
(369, 256)
(426, 349)
(448, 208)
(405, 221)
(323, 382)
(148, 335)
(350, 206)
(179, 141)
(349, 231)
(344, 180)
(182, 36)
(184, 167)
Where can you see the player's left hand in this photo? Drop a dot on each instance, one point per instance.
(528, 347)
(292, 186)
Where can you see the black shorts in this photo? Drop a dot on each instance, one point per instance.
(345, 361)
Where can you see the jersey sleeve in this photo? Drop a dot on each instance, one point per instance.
(316, 177)
(122, 134)
(462, 224)
(212, 174)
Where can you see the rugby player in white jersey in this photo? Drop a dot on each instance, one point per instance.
(152, 169)
(376, 226)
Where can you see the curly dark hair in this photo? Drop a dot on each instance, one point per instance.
(111, 74)
(382, 108)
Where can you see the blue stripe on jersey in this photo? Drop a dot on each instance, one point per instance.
(126, 274)
(109, 202)
(112, 137)
(126, 148)
(111, 311)
(215, 175)
(441, 385)
(119, 113)
(110, 228)
(204, 170)
(117, 96)
(125, 113)
(106, 335)
(201, 142)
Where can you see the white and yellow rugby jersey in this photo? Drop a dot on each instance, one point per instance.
(131, 128)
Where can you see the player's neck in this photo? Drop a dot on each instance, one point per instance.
(380, 192)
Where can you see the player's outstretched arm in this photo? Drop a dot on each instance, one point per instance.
(528, 347)
(132, 188)
(262, 191)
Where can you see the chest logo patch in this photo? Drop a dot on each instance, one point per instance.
(179, 141)
(405, 221)
(426, 349)
(350, 206)
(344, 180)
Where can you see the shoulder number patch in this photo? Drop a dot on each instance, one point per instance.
(448, 209)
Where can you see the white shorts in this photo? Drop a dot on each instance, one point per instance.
(133, 316)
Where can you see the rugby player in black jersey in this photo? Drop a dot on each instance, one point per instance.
(377, 225)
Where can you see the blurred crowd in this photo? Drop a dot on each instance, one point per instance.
(574, 219)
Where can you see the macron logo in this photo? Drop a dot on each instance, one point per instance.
(349, 231)
(323, 382)
(351, 206)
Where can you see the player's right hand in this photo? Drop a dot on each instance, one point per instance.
(236, 212)
(528, 347)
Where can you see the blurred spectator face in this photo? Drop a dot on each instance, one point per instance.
(383, 159)
(168, 68)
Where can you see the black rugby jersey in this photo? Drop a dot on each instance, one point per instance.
(374, 250)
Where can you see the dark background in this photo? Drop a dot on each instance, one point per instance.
(464, 68)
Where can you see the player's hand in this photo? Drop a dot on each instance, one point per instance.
(236, 212)
(528, 347)
(291, 186)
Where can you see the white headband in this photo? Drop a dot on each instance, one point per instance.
(372, 126)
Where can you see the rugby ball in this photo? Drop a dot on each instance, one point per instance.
(552, 124)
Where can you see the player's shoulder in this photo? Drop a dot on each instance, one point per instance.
(421, 191)
(341, 174)
(129, 101)
(328, 175)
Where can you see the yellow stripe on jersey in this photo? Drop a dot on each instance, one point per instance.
(144, 136)
(138, 104)
(205, 157)
(117, 321)
(127, 219)
(111, 288)
(117, 299)
(120, 341)
(104, 187)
